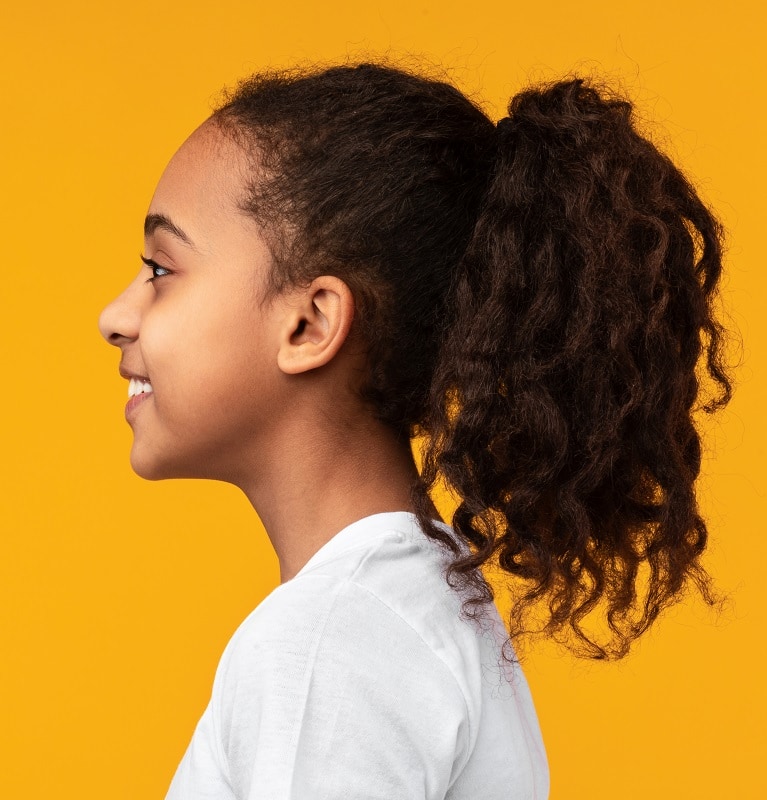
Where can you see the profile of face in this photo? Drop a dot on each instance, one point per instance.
(191, 326)
(215, 359)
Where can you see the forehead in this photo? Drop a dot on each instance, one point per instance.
(203, 184)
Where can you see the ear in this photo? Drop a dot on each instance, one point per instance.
(316, 324)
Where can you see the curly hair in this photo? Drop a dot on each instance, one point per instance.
(537, 300)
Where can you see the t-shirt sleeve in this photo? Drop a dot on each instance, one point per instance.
(327, 693)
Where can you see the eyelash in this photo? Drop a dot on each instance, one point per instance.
(153, 265)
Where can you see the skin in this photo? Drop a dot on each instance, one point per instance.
(259, 393)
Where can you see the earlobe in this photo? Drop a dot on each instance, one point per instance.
(317, 324)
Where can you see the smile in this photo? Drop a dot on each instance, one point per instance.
(136, 386)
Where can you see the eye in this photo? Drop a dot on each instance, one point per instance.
(158, 271)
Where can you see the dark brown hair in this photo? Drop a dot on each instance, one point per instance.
(535, 297)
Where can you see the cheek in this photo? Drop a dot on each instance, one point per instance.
(229, 352)
(206, 364)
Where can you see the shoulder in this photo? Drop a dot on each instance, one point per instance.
(335, 662)
(387, 597)
(373, 621)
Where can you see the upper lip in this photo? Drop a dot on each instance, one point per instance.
(127, 374)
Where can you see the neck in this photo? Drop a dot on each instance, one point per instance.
(317, 484)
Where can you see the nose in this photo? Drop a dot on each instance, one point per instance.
(120, 321)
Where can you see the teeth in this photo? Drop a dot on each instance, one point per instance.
(136, 386)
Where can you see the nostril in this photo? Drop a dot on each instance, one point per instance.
(119, 339)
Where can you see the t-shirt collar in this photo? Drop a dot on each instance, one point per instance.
(362, 530)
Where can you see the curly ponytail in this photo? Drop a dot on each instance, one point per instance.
(561, 408)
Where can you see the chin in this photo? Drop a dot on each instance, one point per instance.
(148, 470)
(154, 466)
(151, 466)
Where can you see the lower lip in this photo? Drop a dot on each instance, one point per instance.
(134, 402)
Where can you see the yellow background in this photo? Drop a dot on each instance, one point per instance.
(118, 595)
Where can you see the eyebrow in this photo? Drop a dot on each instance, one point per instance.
(155, 222)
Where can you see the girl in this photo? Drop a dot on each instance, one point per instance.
(337, 261)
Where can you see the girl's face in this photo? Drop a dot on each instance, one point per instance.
(192, 324)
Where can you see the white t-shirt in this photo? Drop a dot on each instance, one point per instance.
(359, 679)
